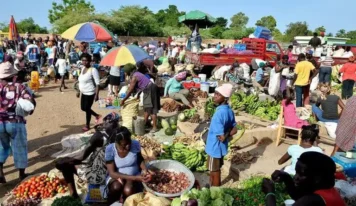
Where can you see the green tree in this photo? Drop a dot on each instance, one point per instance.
(330, 34)
(236, 33)
(341, 33)
(239, 20)
(175, 31)
(352, 36)
(60, 10)
(221, 22)
(134, 21)
(320, 29)
(296, 29)
(268, 22)
(169, 16)
(26, 25)
(76, 17)
(217, 32)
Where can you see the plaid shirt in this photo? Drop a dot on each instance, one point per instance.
(10, 93)
(346, 128)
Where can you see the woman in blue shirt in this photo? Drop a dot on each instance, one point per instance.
(222, 126)
(125, 165)
(174, 89)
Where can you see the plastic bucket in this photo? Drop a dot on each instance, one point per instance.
(139, 126)
(204, 86)
(202, 77)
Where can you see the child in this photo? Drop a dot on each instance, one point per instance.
(222, 126)
(61, 64)
(309, 135)
(289, 112)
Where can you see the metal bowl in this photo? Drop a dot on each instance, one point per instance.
(173, 166)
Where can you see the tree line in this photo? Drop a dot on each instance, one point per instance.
(136, 20)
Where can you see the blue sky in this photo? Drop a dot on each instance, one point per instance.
(334, 15)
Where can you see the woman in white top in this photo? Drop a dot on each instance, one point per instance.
(61, 64)
(89, 89)
(309, 135)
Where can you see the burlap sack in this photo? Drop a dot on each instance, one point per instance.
(128, 111)
(146, 200)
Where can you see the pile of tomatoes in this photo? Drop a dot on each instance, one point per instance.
(40, 187)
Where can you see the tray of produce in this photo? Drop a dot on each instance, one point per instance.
(171, 178)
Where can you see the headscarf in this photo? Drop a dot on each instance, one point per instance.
(181, 75)
(129, 68)
(113, 116)
(324, 89)
(262, 64)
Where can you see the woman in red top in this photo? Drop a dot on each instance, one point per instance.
(313, 184)
(348, 78)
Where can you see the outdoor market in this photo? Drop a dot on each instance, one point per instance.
(176, 120)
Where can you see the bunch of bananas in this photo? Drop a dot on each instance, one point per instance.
(192, 158)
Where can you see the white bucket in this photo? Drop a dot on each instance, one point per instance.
(289, 202)
(204, 87)
(202, 77)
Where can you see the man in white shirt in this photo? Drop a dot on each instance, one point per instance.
(175, 52)
(33, 53)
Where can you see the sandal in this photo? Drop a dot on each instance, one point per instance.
(85, 129)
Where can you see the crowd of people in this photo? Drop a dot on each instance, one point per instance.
(120, 165)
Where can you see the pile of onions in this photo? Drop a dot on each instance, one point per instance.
(167, 182)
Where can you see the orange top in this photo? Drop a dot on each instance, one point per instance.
(331, 197)
(349, 71)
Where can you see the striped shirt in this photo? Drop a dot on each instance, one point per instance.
(326, 61)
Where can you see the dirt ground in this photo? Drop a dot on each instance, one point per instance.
(58, 114)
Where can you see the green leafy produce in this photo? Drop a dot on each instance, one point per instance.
(66, 201)
(165, 124)
(169, 131)
(218, 202)
(216, 193)
(176, 202)
(189, 113)
(312, 120)
(210, 108)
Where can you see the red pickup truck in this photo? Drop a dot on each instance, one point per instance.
(260, 49)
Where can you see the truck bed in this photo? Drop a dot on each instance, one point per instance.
(206, 59)
(337, 60)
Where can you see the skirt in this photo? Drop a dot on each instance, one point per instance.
(151, 99)
(115, 81)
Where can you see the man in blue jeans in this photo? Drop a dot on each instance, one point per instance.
(305, 72)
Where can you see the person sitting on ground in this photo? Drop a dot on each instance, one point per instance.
(175, 90)
(230, 74)
(289, 111)
(329, 104)
(125, 166)
(312, 185)
(260, 78)
(309, 135)
(92, 171)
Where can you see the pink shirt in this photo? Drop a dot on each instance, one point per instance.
(290, 116)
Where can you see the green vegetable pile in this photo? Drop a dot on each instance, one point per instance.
(66, 201)
(268, 110)
(215, 196)
(189, 113)
(210, 108)
(192, 158)
(251, 194)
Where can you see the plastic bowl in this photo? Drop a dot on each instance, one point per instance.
(173, 166)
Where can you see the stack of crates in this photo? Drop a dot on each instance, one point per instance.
(257, 46)
(240, 47)
(263, 33)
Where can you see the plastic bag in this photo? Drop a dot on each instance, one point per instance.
(274, 83)
(314, 83)
(346, 189)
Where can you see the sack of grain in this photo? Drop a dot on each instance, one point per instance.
(164, 68)
(189, 67)
(128, 111)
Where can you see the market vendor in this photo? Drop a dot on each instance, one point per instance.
(313, 184)
(309, 135)
(125, 165)
(151, 97)
(230, 75)
(175, 90)
(93, 171)
(260, 80)
(222, 126)
(282, 66)
(329, 111)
